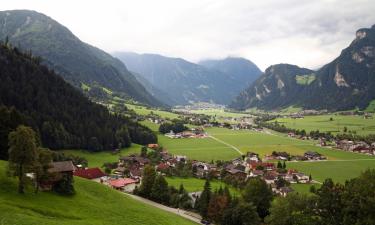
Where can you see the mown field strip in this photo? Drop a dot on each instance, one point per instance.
(229, 145)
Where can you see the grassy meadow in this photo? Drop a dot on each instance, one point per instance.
(323, 123)
(195, 184)
(96, 159)
(340, 165)
(205, 149)
(141, 110)
(338, 170)
(93, 204)
(218, 113)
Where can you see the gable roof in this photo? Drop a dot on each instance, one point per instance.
(64, 166)
(89, 173)
(122, 182)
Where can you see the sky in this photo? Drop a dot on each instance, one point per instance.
(308, 33)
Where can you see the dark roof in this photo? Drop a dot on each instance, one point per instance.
(64, 166)
(286, 189)
(135, 159)
(135, 172)
(90, 173)
(235, 171)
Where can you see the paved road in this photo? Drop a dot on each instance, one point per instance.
(186, 214)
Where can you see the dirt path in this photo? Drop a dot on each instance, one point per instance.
(227, 144)
(186, 214)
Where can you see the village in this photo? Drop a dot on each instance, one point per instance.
(127, 173)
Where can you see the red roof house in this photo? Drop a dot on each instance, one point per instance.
(122, 182)
(89, 173)
(153, 146)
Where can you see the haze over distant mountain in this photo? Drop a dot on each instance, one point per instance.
(241, 69)
(345, 83)
(75, 60)
(183, 81)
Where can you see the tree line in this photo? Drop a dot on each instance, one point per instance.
(27, 157)
(62, 117)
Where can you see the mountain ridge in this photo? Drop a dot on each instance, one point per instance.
(345, 83)
(183, 81)
(76, 61)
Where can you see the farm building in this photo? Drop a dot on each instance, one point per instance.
(90, 173)
(123, 184)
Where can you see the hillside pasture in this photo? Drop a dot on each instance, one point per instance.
(97, 159)
(142, 110)
(93, 204)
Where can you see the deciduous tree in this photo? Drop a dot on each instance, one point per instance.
(22, 154)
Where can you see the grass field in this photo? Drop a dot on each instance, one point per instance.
(323, 123)
(151, 125)
(195, 184)
(303, 188)
(205, 149)
(98, 158)
(93, 204)
(218, 113)
(141, 110)
(340, 165)
(339, 171)
(371, 107)
(264, 143)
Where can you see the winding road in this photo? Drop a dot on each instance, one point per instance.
(183, 213)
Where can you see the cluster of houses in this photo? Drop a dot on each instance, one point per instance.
(307, 156)
(192, 133)
(251, 165)
(128, 173)
(359, 147)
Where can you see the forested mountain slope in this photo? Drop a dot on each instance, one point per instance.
(75, 60)
(183, 81)
(240, 69)
(32, 94)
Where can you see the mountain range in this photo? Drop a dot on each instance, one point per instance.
(184, 82)
(59, 113)
(77, 62)
(345, 83)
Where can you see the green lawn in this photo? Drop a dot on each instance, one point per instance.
(323, 123)
(94, 204)
(98, 158)
(303, 188)
(339, 171)
(151, 125)
(205, 149)
(195, 184)
(141, 110)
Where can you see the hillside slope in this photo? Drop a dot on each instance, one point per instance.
(345, 83)
(241, 69)
(75, 60)
(277, 87)
(183, 81)
(93, 204)
(62, 116)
